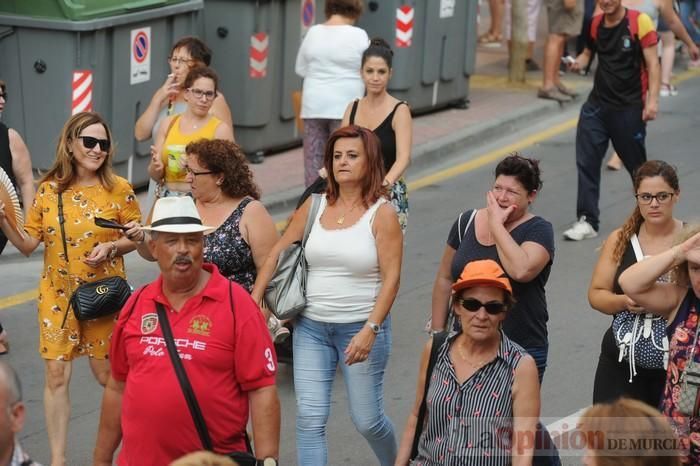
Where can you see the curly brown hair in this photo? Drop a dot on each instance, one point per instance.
(227, 158)
(631, 226)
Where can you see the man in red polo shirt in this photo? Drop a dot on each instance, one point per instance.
(227, 354)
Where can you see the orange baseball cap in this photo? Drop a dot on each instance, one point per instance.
(482, 273)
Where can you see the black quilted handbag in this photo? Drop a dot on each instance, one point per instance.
(94, 299)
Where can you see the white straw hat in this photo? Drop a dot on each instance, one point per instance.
(176, 214)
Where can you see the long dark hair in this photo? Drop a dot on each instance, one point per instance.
(648, 169)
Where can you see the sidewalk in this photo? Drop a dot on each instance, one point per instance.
(495, 108)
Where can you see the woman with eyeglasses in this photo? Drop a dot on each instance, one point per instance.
(187, 53)
(652, 228)
(81, 179)
(483, 395)
(168, 161)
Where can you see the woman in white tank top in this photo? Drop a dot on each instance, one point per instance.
(354, 261)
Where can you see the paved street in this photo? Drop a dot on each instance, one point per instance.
(575, 330)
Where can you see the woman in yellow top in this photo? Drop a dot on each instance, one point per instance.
(168, 158)
(82, 175)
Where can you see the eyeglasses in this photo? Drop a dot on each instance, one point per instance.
(89, 142)
(472, 305)
(196, 173)
(646, 198)
(179, 61)
(198, 93)
(3, 95)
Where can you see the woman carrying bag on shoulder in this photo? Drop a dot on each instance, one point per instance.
(82, 178)
(353, 253)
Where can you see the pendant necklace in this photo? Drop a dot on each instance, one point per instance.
(341, 219)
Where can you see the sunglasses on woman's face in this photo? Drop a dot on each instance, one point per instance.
(89, 142)
(472, 305)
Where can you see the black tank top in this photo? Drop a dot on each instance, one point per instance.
(5, 154)
(385, 132)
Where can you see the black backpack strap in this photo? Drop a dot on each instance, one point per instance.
(438, 340)
(185, 385)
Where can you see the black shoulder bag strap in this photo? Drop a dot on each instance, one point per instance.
(61, 221)
(185, 385)
(182, 378)
(438, 340)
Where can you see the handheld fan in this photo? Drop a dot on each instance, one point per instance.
(8, 196)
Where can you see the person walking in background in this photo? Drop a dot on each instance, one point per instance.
(168, 160)
(647, 435)
(224, 346)
(533, 17)
(16, 161)
(624, 97)
(681, 296)
(186, 54)
(653, 228)
(689, 11)
(329, 61)
(477, 369)
(564, 18)
(82, 180)
(494, 38)
(354, 253)
(389, 118)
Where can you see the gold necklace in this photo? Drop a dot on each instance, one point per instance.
(478, 365)
(341, 219)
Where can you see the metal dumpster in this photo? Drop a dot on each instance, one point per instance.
(112, 64)
(434, 43)
(254, 47)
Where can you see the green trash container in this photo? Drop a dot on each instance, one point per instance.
(56, 66)
(254, 46)
(79, 10)
(434, 44)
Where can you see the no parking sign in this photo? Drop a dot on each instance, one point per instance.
(308, 15)
(140, 51)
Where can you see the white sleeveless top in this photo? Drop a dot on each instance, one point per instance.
(343, 270)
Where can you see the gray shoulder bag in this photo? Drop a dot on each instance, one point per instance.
(285, 295)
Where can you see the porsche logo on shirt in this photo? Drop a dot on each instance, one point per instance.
(149, 322)
(200, 325)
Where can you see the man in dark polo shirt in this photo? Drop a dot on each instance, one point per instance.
(624, 97)
(224, 345)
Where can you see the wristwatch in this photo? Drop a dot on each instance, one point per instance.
(269, 461)
(374, 327)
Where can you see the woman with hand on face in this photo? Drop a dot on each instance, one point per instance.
(681, 296)
(187, 53)
(82, 178)
(653, 226)
(389, 118)
(168, 160)
(354, 254)
(477, 369)
(521, 242)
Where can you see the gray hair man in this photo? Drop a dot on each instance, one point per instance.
(12, 414)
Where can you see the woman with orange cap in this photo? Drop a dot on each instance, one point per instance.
(475, 372)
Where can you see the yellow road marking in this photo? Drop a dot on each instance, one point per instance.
(427, 180)
(18, 298)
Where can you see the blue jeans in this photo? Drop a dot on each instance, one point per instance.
(539, 354)
(597, 127)
(318, 350)
(687, 9)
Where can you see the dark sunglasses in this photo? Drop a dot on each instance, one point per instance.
(4, 95)
(472, 305)
(89, 142)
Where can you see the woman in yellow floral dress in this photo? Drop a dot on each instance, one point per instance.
(83, 174)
